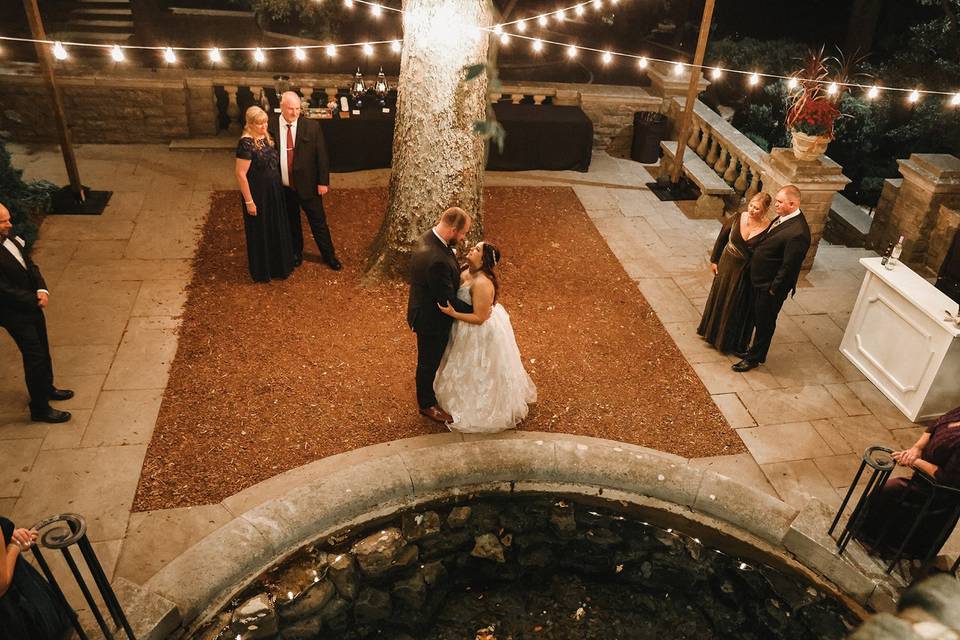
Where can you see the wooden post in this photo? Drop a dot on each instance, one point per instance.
(46, 66)
(695, 70)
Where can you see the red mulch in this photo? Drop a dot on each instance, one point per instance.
(270, 377)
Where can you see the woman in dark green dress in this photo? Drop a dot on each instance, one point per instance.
(727, 320)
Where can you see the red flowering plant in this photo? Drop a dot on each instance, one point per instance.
(813, 95)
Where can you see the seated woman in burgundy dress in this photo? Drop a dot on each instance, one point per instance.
(893, 513)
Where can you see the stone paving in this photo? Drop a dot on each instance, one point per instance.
(117, 283)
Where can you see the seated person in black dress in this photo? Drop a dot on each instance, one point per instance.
(727, 320)
(265, 221)
(29, 610)
(896, 508)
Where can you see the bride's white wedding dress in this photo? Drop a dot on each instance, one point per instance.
(481, 381)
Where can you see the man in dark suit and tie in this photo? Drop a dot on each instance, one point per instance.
(305, 172)
(774, 270)
(434, 279)
(23, 296)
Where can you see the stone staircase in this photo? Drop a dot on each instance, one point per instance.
(108, 21)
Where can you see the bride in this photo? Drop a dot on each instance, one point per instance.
(481, 381)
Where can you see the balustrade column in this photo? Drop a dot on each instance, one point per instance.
(714, 152)
(258, 97)
(704, 143)
(731, 173)
(331, 94)
(694, 135)
(754, 187)
(307, 94)
(740, 185)
(233, 109)
(720, 166)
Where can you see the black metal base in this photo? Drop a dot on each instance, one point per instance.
(66, 202)
(669, 192)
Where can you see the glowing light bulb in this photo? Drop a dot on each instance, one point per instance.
(560, 15)
(873, 92)
(169, 56)
(331, 51)
(571, 51)
(215, 55)
(607, 57)
(497, 29)
(348, 4)
(598, 4)
(522, 26)
(914, 96)
(580, 10)
(542, 21)
(614, 2)
(715, 73)
(754, 79)
(395, 46)
(117, 53)
(642, 63)
(375, 10)
(367, 49)
(538, 45)
(58, 51)
(299, 54)
(955, 100)
(504, 38)
(792, 83)
(678, 69)
(832, 89)
(259, 56)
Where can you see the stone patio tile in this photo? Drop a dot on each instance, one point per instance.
(593, 198)
(740, 467)
(76, 295)
(760, 378)
(53, 256)
(125, 205)
(826, 299)
(878, 404)
(16, 459)
(841, 319)
(906, 438)
(718, 377)
(144, 357)
(826, 335)
(630, 201)
(96, 251)
(832, 278)
(794, 404)
(156, 238)
(95, 325)
(694, 285)
(783, 442)
(86, 389)
(68, 434)
(839, 470)
(733, 410)
(694, 348)
(11, 363)
(788, 330)
(642, 264)
(86, 228)
(667, 300)
(7, 504)
(799, 480)
(132, 269)
(861, 432)
(831, 435)
(81, 359)
(160, 298)
(798, 363)
(154, 538)
(847, 399)
(123, 417)
(98, 483)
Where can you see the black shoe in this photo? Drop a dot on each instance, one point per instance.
(61, 394)
(334, 263)
(297, 259)
(745, 365)
(741, 353)
(50, 415)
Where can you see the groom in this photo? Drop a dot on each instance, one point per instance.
(434, 279)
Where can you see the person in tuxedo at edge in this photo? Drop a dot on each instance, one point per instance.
(305, 173)
(774, 270)
(23, 296)
(434, 280)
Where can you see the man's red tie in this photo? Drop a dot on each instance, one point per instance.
(290, 153)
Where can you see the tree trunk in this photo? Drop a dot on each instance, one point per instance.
(438, 160)
(861, 28)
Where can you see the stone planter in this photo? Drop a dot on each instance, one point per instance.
(807, 147)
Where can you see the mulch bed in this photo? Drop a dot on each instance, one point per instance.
(270, 377)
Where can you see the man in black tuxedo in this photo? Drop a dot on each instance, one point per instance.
(434, 279)
(774, 269)
(305, 171)
(23, 296)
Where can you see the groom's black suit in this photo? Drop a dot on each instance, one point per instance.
(434, 279)
(774, 270)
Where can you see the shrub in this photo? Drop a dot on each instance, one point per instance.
(27, 201)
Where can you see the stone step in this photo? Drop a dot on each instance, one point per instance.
(211, 143)
(106, 24)
(101, 12)
(113, 2)
(84, 36)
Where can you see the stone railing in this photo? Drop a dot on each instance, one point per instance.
(138, 106)
(733, 156)
(941, 236)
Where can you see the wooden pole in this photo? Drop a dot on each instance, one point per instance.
(695, 71)
(59, 115)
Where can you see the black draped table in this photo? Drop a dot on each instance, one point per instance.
(548, 137)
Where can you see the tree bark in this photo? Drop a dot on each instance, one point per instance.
(438, 160)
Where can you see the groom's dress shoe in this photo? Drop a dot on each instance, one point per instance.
(745, 365)
(50, 415)
(436, 414)
(61, 394)
(741, 353)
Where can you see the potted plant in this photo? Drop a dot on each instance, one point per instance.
(813, 95)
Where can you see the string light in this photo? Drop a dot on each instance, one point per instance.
(598, 4)
(792, 83)
(498, 29)
(754, 79)
(395, 45)
(607, 57)
(348, 4)
(58, 51)
(169, 56)
(678, 69)
(560, 15)
(367, 49)
(117, 53)
(331, 51)
(571, 51)
(538, 45)
(642, 63)
(832, 89)
(504, 38)
(873, 92)
(715, 73)
(955, 100)
(521, 26)
(259, 56)
(376, 10)
(299, 54)
(542, 20)
(215, 55)
(913, 97)
(579, 10)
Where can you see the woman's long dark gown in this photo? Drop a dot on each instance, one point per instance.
(727, 320)
(269, 245)
(29, 609)
(891, 519)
